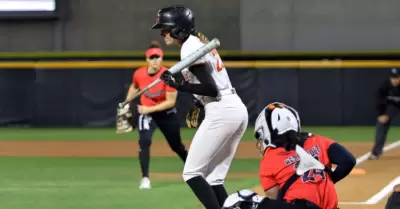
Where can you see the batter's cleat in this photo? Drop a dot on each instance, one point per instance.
(373, 157)
(145, 183)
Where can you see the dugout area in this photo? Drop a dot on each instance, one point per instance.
(94, 168)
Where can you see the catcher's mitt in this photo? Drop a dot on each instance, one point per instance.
(124, 116)
(195, 116)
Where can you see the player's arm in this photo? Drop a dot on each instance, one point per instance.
(206, 87)
(344, 160)
(166, 104)
(131, 93)
(272, 193)
(133, 89)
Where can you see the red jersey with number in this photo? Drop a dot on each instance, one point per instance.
(316, 186)
(156, 94)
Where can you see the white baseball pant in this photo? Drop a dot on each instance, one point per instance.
(215, 142)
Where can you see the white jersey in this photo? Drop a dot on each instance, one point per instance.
(218, 71)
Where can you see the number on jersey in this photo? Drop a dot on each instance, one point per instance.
(313, 175)
(220, 65)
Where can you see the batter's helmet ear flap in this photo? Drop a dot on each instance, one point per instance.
(179, 33)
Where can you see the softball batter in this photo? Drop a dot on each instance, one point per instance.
(215, 142)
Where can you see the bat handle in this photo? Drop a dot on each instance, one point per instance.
(141, 92)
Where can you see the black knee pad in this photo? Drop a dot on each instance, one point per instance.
(393, 201)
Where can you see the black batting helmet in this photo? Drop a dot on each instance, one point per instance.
(177, 19)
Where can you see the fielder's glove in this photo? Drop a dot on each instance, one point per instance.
(243, 199)
(195, 116)
(124, 115)
(192, 118)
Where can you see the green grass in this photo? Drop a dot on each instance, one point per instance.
(99, 183)
(347, 133)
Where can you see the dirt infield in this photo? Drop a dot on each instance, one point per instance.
(120, 149)
(99, 149)
(355, 188)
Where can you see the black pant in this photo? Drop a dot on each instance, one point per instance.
(169, 125)
(382, 130)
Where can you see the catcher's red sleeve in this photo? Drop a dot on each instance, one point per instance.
(267, 179)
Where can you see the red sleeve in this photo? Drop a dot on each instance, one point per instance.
(327, 142)
(267, 178)
(135, 79)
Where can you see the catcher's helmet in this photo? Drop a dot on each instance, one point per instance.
(177, 19)
(274, 120)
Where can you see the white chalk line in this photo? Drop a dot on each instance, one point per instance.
(386, 190)
(389, 147)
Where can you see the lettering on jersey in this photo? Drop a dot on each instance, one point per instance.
(220, 65)
(313, 175)
(314, 151)
(154, 94)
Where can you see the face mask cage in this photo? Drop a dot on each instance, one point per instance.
(262, 143)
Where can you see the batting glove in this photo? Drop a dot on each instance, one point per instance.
(168, 79)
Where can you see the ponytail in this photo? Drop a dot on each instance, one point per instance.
(155, 44)
(202, 37)
(289, 140)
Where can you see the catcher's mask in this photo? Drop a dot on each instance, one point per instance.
(274, 120)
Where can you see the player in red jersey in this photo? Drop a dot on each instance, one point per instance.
(156, 109)
(296, 168)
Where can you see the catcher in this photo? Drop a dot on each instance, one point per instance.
(295, 171)
(156, 108)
